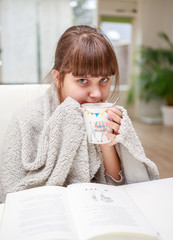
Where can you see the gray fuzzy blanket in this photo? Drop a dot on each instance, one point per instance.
(46, 144)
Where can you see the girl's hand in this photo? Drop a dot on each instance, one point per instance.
(114, 122)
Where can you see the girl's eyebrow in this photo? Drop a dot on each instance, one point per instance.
(90, 78)
(78, 77)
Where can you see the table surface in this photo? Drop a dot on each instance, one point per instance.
(155, 200)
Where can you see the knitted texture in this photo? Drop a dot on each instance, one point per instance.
(137, 167)
(46, 144)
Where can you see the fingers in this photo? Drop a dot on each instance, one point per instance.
(113, 122)
(112, 137)
(115, 126)
(115, 115)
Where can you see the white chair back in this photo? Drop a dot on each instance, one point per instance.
(14, 96)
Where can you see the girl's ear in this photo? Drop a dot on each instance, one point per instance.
(56, 78)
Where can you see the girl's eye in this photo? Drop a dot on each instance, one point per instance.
(83, 81)
(104, 80)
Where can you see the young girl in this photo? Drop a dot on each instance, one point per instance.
(46, 140)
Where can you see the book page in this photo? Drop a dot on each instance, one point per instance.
(154, 199)
(39, 213)
(1, 212)
(101, 209)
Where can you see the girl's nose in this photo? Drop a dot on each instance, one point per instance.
(95, 92)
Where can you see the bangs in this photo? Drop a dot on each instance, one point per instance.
(91, 56)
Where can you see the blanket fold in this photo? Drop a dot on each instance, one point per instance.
(62, 152)
(137, 167)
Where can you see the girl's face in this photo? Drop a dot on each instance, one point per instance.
(84, 89)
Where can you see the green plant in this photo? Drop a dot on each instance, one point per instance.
(155, 78)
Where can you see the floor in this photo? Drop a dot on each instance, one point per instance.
(157, 141)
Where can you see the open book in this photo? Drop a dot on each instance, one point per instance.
(81, 211)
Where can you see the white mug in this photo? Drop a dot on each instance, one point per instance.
(94, 115)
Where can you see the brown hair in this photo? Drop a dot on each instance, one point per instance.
(85, 51)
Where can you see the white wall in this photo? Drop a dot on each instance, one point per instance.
(155, 16)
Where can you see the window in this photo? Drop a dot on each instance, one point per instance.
(29, 31)
(119, 31)
(29, 34)
(83, 11)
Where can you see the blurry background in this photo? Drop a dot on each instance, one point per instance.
(29, 32)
